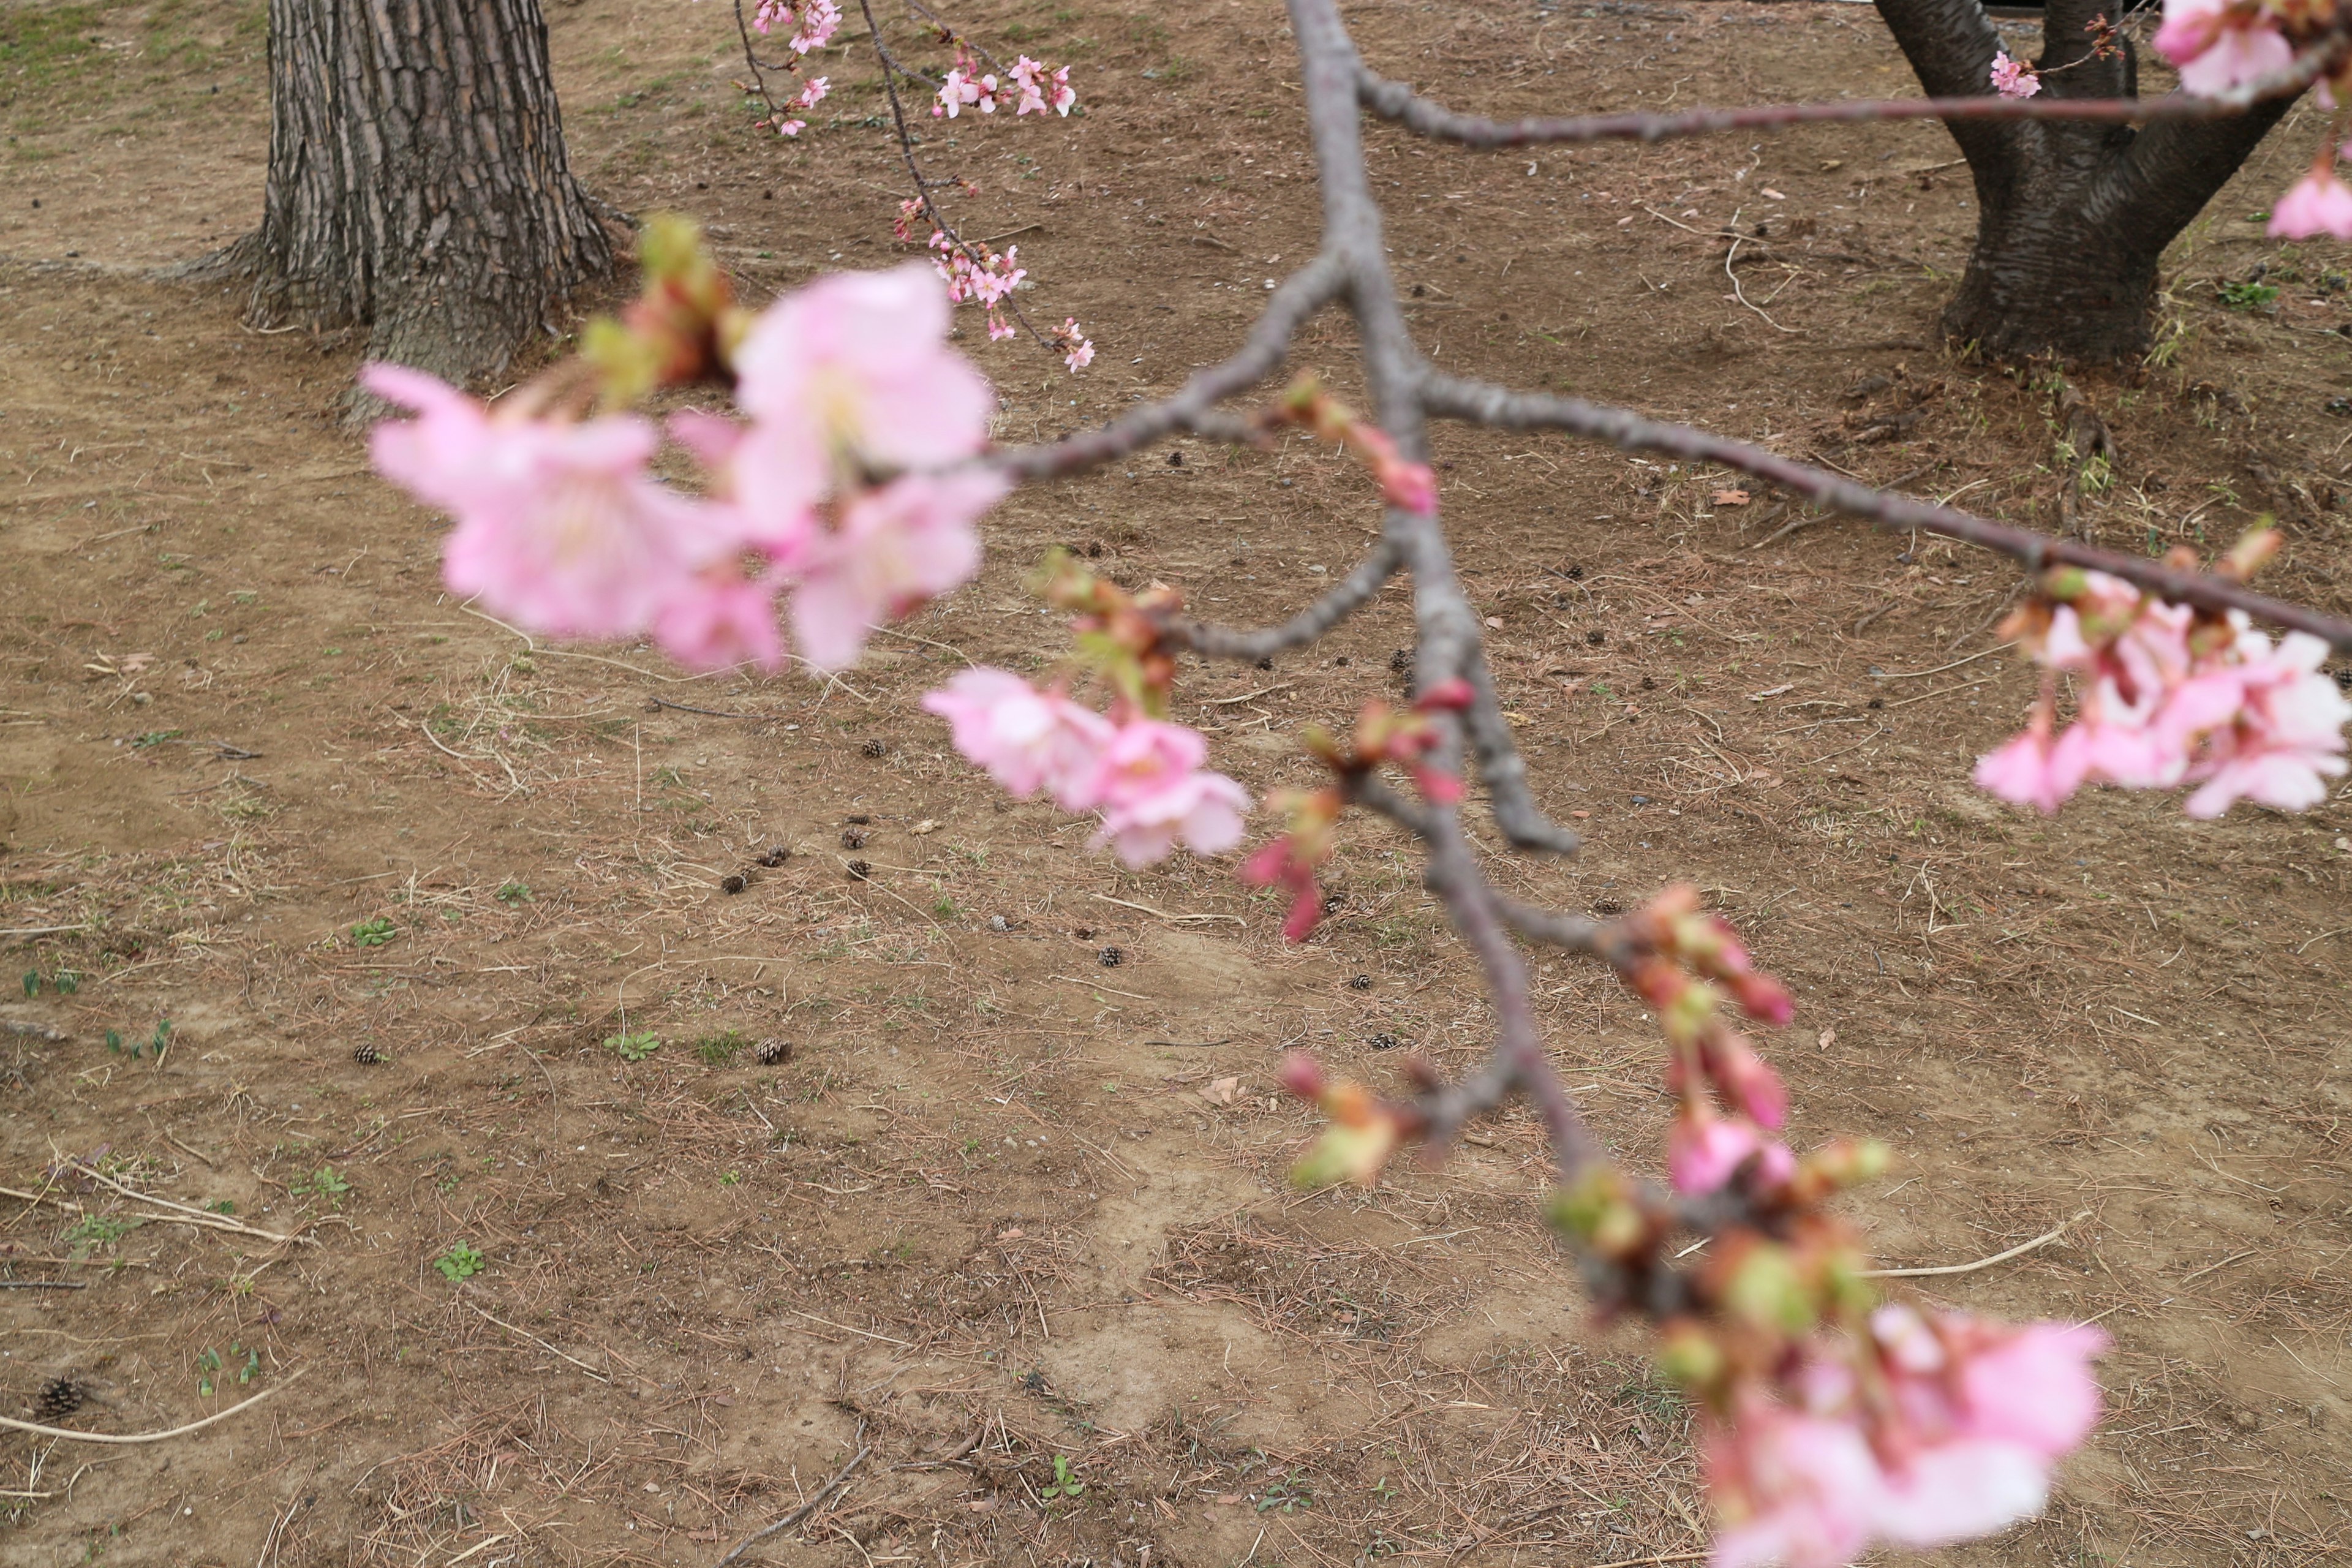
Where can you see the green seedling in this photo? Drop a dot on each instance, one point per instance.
(374, 933)
(326, 1183)
(513, 893)
(210, 1365)
(460, 1262)
(1064, 1484)
(634, 1047)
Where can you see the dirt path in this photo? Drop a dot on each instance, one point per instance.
(404, 885)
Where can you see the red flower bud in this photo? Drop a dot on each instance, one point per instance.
(1763, 998)
(1302, 1074)
(1437, 786)
(1454, 694)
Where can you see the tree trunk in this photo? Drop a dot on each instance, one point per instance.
(417, 180)
(2073, 218)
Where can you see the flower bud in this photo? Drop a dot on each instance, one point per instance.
(1347, 1155)
(1689, 1356)
(1763, 998)
(1687, 1016)
(1598, 1208)
(1846, 1162)
(2254, 548)
(1302, 1074)
(1436, 785)
(2065, 583)
(1762, 1285)
(1750, 1085)
(1455, 694)
(1409, 487)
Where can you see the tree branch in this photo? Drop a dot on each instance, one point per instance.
(1490, 404)
(1301, 295)
(1506, 771)
(1343, 599)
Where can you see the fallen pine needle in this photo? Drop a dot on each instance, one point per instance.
(2020, 1250)
(542, 1345)
(807, 1507)
(1162, 914)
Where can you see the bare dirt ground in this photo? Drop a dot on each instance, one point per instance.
(1010, 1213)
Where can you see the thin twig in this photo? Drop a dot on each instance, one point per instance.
(805, 1509)
(2020, 1250)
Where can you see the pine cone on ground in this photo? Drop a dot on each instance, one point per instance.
(773, 1052)
(59, 1398)
(368, 1054)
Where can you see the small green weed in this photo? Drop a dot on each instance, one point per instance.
(1064, 1484)
(460, 1262)
(374, 933)
(1285, 1496)
(93, 1230)
(720, 1048)
(634, 1047)
(156, 738)
(209, 1366)
(155, 1045)
(2248, 296)
(326, 1183)
(513, 893)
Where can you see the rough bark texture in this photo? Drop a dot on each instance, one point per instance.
(2072, 219)
(418, 181)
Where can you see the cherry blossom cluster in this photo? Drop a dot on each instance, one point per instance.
(976, 275)
(830, 491)
(809, 24)
(2168, 695)
(1830, 1420)
(979, 276)
(2221, 45)
(1142, 774)
(1030, 86)
(2013, 78)
(812, 93)
(1686, 962)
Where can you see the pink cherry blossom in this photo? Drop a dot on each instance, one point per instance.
(1026, 739)
(1029, 76)
(1078, 350)
(720, 619)
(1957, 1490)
(1794, 1490)
(2318, 203)
(2287, 737)
(909, 541)
(1703, 1151)
(2033, 770)
(1060, 94)
(2013, 78)
(856, 370)
(819, 19)
(813, 21)
(561, 527)
(1980, 1411)
(2219, 46)
(767, 477)
(1152, 794)
(1280, 863)
(2031, 1385)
